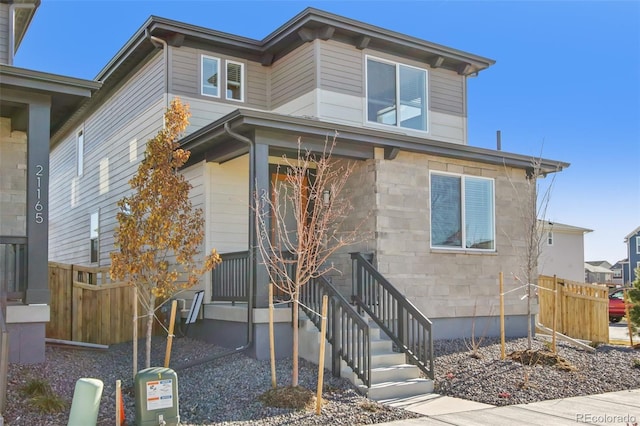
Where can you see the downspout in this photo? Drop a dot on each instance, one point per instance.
(160, 43)
(251, 272)
(12, 27)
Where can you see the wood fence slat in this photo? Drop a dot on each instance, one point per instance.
(583, 310)
(87, 306)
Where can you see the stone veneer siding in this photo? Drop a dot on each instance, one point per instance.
(13, 185)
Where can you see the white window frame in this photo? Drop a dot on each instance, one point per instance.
(80, 152)
(227, 62)
(94, 235)
(549, 238)
(397, 66)
(202, 59)
(637, 244)
(462, 213)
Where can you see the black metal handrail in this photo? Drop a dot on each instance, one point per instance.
(347, 331)
(407, 327)
(230, 279)
(13, 272)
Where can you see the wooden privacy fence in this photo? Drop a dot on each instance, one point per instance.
(582, 309)
(87, 307)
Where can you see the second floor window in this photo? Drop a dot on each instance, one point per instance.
(550, 238)
(638, 244)
(235, 87)
(396, 95)
(462, 212)
(229, 85)
(210, 76)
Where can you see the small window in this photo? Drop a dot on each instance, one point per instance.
(210, 76)
(638, 244)
(80, 152)
(396, 95)
(617, 273)
(462, 212)
(94, 233)
(235, 86)
(550, 238)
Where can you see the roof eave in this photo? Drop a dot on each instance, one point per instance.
(241, 119)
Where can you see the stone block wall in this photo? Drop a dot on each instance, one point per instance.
(13, 185)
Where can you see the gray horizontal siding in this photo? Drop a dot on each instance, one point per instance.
(4, 33)
(293, 76)
(134, 111)
(185, 77)
(446, 91)
(341, 69)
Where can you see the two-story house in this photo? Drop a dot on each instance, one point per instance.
(632, 262)
(443, 215)
(562, 250)
(33, 105)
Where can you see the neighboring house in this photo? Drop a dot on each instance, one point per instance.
(596, 274)
(441, 214)
(633, 256)
(33, 105)
(562, 251)
(617, 270)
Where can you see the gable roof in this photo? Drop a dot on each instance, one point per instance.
(561, 227)
(596, 269)
(634, 232)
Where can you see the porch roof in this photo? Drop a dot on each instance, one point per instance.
(214, 143)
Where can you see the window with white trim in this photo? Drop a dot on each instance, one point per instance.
(94, 233)
(462, 212)
(80, 152)
(638, 245)
(396, 94)
(210, 72)
(550, 238)
(617, 273)
(235, 84)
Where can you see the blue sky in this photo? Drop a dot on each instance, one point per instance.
(566, 82)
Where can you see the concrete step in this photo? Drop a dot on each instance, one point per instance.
(398, 389)
(391, 373)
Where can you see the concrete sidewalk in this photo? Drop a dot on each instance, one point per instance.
(614, 408)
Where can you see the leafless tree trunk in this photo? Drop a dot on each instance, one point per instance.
(307, 211)
(533, 206)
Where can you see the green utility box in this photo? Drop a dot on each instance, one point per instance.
(156, 392)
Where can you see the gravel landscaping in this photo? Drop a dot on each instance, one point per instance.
(225, 391)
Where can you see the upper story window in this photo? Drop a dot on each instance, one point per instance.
(210, 76)
(80, 152)
(396, 94)
(212, 80)
(638, 244)
(617, 273)
(235, 85)
(550, 238)
(462, 212)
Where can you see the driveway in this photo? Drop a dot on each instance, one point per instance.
(619, 331)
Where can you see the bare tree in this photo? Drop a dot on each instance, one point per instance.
(307, 210)
(532, 206)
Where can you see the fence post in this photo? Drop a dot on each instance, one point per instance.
(554, 312)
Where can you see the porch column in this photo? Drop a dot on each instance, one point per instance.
(38, 202)
(262, 185)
